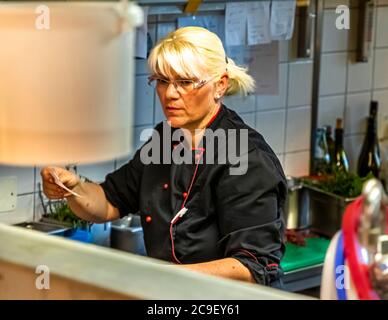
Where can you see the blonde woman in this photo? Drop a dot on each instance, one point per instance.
(200, 215)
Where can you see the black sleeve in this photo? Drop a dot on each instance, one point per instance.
(250, 212)
(122, 186)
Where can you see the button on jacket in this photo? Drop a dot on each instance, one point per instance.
(239, 216)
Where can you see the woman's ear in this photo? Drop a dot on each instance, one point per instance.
(221, 86)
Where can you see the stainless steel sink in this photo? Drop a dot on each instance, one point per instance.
(45, 227)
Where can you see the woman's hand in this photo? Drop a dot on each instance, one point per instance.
(51, 189)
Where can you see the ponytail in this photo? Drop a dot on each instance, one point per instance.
(239, 80)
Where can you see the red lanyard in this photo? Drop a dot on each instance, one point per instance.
(183, 210)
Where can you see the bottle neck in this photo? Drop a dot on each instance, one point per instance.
(371, 132)
(339, 138)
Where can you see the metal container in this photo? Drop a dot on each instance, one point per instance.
(327, 210)
(49, 228)
(127, 234)
(297, 208)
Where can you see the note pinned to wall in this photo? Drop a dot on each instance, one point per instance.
(263, 65)
(141, 37)
(282, 19)
(258, 22)
(236, 24)
(214, 24)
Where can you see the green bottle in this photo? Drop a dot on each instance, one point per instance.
(340, 158)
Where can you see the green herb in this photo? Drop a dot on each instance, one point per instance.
(63, 213)
(340, 182)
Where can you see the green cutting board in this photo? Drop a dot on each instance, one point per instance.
(297, 257)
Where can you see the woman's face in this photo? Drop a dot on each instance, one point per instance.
(190, 110)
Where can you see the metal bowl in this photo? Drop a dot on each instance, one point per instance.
(297, 207)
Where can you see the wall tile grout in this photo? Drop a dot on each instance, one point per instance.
(374, 53)
(346, 85)
(286, 113)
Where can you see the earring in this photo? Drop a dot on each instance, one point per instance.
(218, 96)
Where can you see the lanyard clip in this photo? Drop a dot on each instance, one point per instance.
(180, 214)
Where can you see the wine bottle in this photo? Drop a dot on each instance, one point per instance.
(373, 109)
(340, 158)
(321, 154)
(370, 160)
(330, 143)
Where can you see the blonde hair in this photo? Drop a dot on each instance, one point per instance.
(190, 51)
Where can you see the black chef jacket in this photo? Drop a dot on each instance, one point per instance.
(239, 216)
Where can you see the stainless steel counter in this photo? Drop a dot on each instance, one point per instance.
(76, 265)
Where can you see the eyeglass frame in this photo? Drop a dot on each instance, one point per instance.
(196, 84)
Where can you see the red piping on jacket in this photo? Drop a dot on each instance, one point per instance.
(246, 252)
(176, 219)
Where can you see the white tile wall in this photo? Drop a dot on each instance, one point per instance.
(357, 109)
(380, 79)
(141, 67)
(359, 74)
(271, 125)
(297, 164)
(283, 51)
(24, 175)
(96, 172)
(23, 212)
(298, 129)
(333, 73)
(357, 82)
(382, 27)
(144, 101)
(333, 39)
(352, 146)
(241, 104)
(265, 102)
(300, 84)
(330, 108)
(163, 29)
(249, 118)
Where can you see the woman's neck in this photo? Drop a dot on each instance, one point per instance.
(199, 130)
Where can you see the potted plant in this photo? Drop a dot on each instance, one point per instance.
(329, 195)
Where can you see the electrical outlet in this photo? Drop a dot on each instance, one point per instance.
(8, 193)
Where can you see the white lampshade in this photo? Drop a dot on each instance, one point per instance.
(66, 92)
